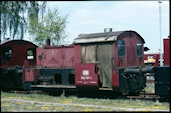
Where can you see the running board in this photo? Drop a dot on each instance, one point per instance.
(54, 86)
(64, 87)
(107, 89)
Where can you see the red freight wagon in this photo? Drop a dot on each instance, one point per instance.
(98, 57)
(166, 52)
(152, 59)
(162, 73)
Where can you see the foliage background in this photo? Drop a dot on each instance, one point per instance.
(51, 26)
(14, 17)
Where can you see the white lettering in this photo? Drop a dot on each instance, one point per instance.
(92, 82)
(85, 72)
(82, 78)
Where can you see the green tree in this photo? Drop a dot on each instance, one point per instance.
(51, 26)
(13, 16)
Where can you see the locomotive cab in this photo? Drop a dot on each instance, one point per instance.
(13, 55)
(100, 59)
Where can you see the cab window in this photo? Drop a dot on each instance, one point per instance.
(121, 47)
(88, 53)
(7, 53)
(30, 53)
(139, 49)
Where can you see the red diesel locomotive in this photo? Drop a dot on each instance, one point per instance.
(102, 61)
(92, 62)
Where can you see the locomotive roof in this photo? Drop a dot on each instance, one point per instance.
(6, 42)
(101, 37)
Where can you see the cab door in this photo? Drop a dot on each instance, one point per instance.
(105, 63)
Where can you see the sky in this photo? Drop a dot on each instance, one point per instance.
(93, 16)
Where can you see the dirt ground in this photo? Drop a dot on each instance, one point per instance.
(27, 105)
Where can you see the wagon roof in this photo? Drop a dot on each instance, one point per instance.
(101, 37)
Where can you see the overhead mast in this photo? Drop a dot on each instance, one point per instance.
(160, 27)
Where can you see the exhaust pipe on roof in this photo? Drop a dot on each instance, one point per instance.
(48, 41)
(107, 30)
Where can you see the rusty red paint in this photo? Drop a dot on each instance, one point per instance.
(157, 61)
(55, 57)
(130, 58)
(77, 56)
(115, 79)
(167, 52)
(155, 55)
(19, 53)
(85, 75)
(68, 54)
(30, 75)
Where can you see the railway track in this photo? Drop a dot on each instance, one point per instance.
(145, 96)
(25, 92)
(141, 96)
(102, 93)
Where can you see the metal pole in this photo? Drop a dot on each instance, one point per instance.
(161, 56)
(0, 20)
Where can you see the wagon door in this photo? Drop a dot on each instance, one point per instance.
(105, 59)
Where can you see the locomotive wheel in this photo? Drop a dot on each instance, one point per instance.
(164, 98)
(27, 86)
(133, 94)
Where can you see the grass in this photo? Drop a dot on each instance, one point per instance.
(62, 101)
